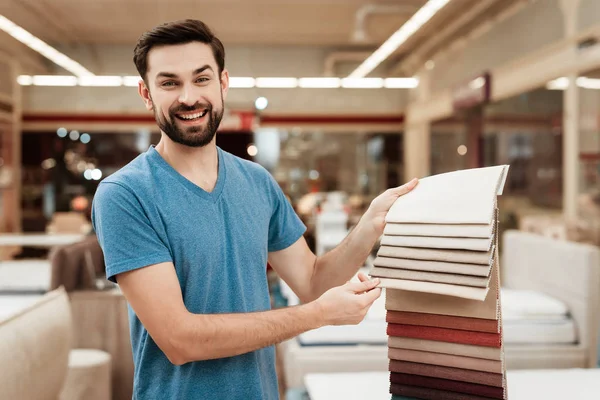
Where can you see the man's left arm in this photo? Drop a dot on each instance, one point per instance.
(310, 276)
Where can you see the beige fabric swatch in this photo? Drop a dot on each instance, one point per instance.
(433, 266)
(440, 230)
(430, 242)
(467, 292)
(453, 256)
(460, 197)
(434, 346)
(446, 360)
(454, 279)
(433, 303)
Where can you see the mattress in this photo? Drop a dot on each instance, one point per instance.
(572, 384)
(539, 331)
(372, 330)
(367, 332)
(25, 276)
(12, 304)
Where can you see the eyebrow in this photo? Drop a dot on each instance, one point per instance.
(172, 75)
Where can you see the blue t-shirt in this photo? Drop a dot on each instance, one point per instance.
(148, 213)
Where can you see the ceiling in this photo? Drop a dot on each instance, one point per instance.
(243, 22)
(330, 24)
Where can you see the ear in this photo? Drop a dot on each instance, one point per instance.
(145, 95)
(225, 83)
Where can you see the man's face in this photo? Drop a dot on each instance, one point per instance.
(185, 92)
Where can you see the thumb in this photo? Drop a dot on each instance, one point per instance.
(360, 287)
(407, 187)
(372, 295)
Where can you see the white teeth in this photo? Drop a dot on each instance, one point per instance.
(194, 116)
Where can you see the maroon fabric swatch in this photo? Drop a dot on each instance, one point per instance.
(443, 321)
(445, 335)
(430, 394)
(492, 392)
(450, 373)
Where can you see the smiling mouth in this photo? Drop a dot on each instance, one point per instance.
(192, 117)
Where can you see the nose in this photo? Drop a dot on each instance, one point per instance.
(187, 96)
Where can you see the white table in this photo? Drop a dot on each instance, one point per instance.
(572, 384)
(44, 240)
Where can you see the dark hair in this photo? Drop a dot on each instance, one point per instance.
(173, 33)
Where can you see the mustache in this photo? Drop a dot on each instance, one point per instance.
(196, 106)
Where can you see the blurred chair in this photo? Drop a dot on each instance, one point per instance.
(77, 266)
(34, 349)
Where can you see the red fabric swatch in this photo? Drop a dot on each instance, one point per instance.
(450, 373)
(443, 321)
(447, 385)
(445, 335)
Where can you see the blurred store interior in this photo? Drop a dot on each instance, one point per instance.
(339, 100)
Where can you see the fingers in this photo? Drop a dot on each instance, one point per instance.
(362, 277)
(364, 286)
(407, 187)
(372, 295)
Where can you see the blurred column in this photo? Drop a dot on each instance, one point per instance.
(10, 146)
(417, 135)
(570, 121)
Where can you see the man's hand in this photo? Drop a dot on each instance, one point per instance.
(348, 304)
(375, 214)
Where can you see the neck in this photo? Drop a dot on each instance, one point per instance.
(198, 164)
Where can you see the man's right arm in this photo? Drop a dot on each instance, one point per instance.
(186, 337)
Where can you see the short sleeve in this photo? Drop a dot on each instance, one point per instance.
(285, 227)
(124, 231)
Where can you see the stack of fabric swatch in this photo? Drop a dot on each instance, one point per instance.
(438, 261)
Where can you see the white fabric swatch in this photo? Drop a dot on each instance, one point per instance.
(466, 292)
(475, 244)
(453, 256)
(460, 197)
(452, 279)
(440, 230)
(433, 266)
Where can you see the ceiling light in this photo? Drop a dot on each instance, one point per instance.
(25, 80)
(43, 48)
(588, 83)
(399, 37)
(241, 82)
(54, 80)
(401, 83)
(105, 80)
(131, 80)
(330, 83)
(278, 83)
(362, 83)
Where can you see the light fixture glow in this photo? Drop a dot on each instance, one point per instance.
(43, 48)
(105, 80)
(241, 82)
(252, 150)
(96, 174)
(85, 138)
(423, 15)
(54, 80)
(362, 83)
(329, 83)
(401, 83)
(261, 103)
(277, 83)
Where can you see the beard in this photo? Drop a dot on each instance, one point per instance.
(191, 136)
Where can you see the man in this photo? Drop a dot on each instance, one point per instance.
(187, 231)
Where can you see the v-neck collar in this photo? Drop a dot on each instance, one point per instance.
(213, 196)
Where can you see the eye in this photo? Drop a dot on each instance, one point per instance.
(168, 84)
(202, 79)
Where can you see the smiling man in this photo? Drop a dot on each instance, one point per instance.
(187, 230)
